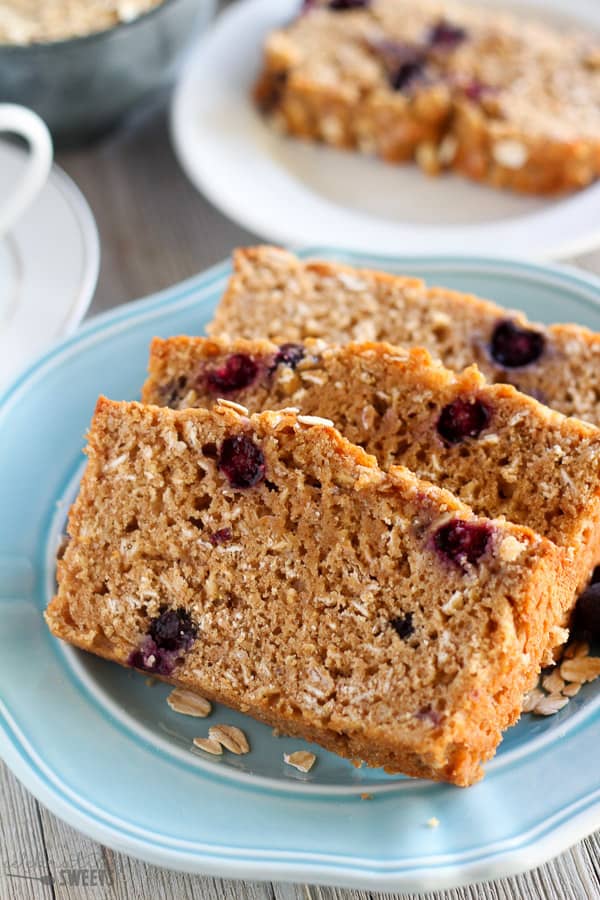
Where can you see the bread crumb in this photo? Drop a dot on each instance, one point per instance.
(510, 548)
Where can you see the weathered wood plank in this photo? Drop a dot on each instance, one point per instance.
(24, 869)
(590, 853)
(79, 866)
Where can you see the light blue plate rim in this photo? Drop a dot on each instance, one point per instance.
(530, 847)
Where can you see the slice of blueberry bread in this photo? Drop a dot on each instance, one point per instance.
(272, 294)
(500, 98)
(269, 564)
(500, 451)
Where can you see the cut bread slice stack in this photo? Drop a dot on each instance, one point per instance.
(265, 560)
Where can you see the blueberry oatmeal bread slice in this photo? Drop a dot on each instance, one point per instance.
(337, 75)
(501, 99)
(272, 294)
(269, 564)
(500, 451)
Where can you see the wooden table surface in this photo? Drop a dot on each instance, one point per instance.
(156, 230)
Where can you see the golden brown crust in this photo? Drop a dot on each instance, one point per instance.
(552, 166)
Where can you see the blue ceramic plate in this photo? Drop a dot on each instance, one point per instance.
(101, 748)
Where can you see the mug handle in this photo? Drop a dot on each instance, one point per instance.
(22, 121)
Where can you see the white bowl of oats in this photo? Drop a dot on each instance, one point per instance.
(84, 65)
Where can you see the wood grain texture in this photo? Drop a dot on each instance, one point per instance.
(156, 230)
(24, 865)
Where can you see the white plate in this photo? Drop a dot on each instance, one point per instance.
(295, 193)
(48, 267)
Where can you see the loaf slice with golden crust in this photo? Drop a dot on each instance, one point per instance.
(500, 98)
(273, 294)
(269, 564)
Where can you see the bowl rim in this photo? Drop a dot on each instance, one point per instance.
(62, 43)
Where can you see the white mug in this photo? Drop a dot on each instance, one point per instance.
(28, 125)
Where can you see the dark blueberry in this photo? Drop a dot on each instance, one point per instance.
(428, 714)
(475, 90)
(238, 371)
(341, 5)
(406, 75)
(595, 575)
(446, 36)
(151, 658)
(463, 542)
(462, 419)
(405, 63)
(288, 355)
(144, 657)
(173, 630)
(586, 620)
(165, 662)
(403, 625)
(513, 346)
(222, 536)
(170, 634)
(242, 461)
(172, 391)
